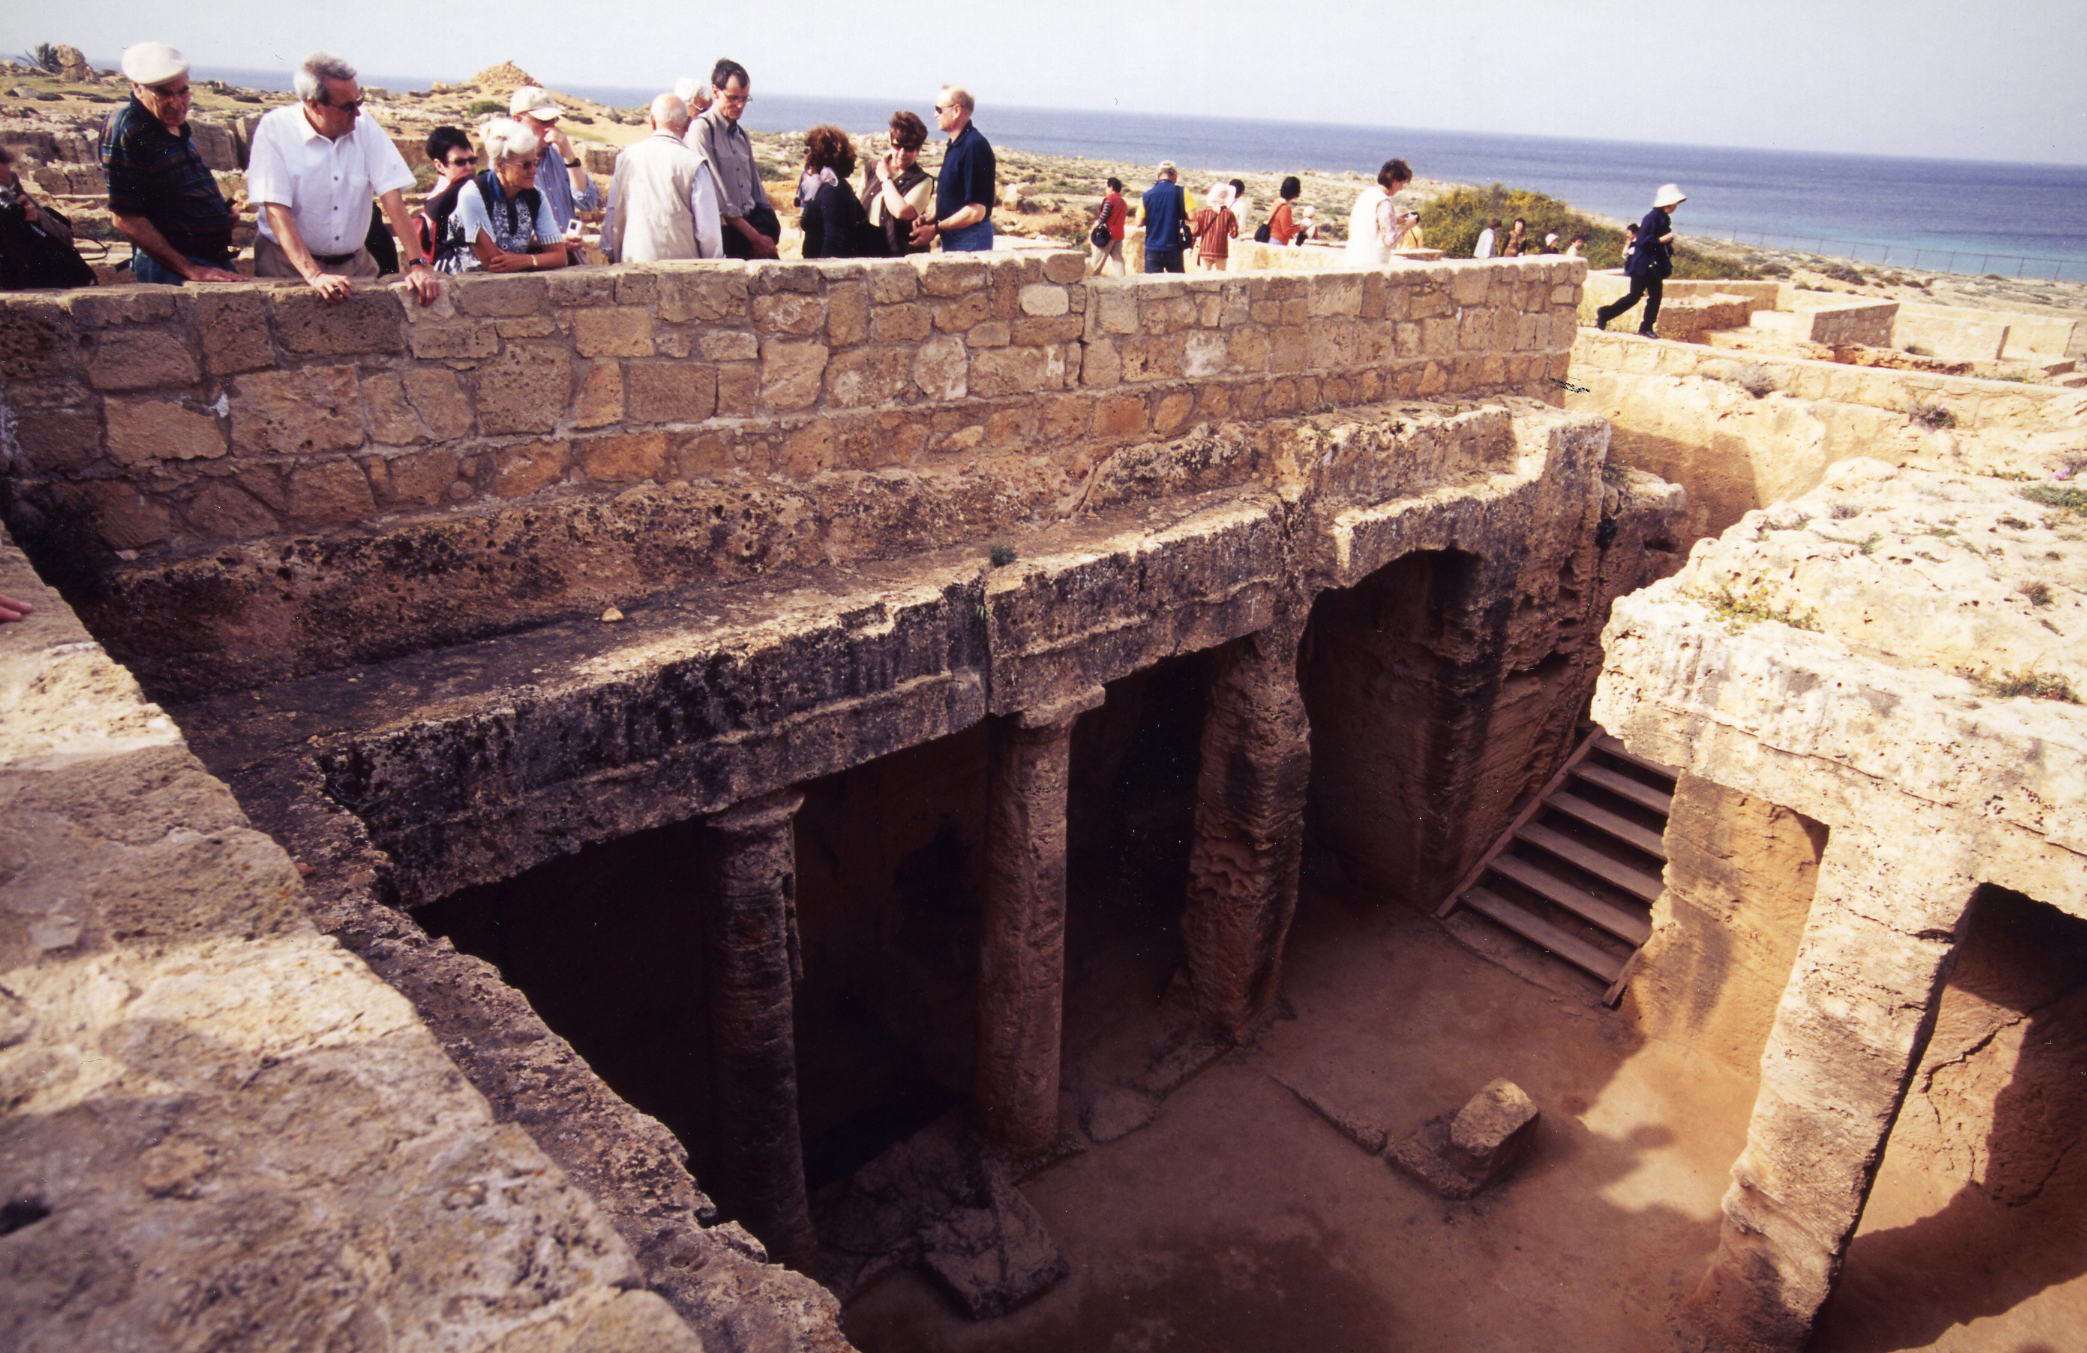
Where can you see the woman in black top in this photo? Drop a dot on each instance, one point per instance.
(1650, 260)
(833, 219)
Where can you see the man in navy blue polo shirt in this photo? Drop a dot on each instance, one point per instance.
(964, 192)
(164, 198)
(1166, 210)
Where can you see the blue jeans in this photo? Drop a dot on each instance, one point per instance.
(146, 268)
(1163, 260)
(970, 238)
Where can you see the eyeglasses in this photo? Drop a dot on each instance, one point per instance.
(351, 106)
(460, 161)
(527, 162)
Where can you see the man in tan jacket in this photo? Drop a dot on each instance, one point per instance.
(663, 203)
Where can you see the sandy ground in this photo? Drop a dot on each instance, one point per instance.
(1241, 1221)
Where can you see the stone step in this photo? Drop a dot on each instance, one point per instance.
(1583, 856)
(1614, 824)
(1541, 933)
(1632, 927)
(1612, 747)
(1625, 787)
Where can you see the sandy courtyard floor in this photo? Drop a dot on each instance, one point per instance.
(1239, 1221)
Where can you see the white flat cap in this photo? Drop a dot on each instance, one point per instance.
(534, 100)
(152, 63)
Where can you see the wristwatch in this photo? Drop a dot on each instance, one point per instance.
(572, 164)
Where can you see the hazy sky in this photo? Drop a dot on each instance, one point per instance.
(1941, 78)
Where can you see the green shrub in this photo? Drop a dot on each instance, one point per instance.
(1453, 220)
(485, 108)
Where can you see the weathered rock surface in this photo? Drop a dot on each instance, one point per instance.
(222, 1131)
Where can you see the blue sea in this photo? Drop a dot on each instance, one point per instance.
(2025, 220)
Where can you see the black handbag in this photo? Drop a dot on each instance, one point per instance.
(1099, 237)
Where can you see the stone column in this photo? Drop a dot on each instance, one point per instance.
(1249, 826)
(1021, 981)
(750, 930)
(1848, 1036)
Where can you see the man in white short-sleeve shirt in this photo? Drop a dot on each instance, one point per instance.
(312, 170)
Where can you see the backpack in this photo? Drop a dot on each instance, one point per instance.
(31, 258)
(431, 225)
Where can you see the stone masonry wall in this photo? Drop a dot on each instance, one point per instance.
(177, 448)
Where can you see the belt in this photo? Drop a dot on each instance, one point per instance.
(335, 260)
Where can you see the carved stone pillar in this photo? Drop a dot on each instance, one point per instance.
(1021, 983)
(1249, 826)
(1848, 1036)
(750, 931)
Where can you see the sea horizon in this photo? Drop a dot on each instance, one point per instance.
(2014, 217)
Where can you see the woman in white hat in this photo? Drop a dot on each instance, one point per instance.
(1649, 263)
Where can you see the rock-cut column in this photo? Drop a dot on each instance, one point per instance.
(1021, 982)
(750, 932)
(1249, 827)
(1848, 1036)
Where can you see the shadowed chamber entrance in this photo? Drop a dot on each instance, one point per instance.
(1972, 1240)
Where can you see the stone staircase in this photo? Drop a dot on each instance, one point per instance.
(1577, 872)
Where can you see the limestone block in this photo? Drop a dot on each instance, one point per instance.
(63, 435)
(1115, 310)
(1469, 284)
(791, 373)
(392, 422)
(579, 288)
(525, 326)
(1030, 333)
(1066, 268)
(497, 297)
(733, 345)
(368, 320)
(522, 470)
(618, 331)
(893, 282)
(993, 333)
(37, 342)
(124, 518)
(1044, 300)
(808, 451)
(636, 286)
(524, 389)
(1336, 294)
(901, 323)
(421, 478)
(669, 392)
(941, 368)
(439, 340)
(708, 295)
(1123, 416)
(738, 388)
(795, 314)
(438, 398)
(125, 305)
(959, 314)
(1173, 412)
(847, 313)
(1493, 1131)
(233, 325)
(330, 492)
(223, 510)
(1247, 349)
(941, 275)
(146, 431)
(868, 376)
(1101, 364)
(1203, 354)
(1009, 371)
(622, 458)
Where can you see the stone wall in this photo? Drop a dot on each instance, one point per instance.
(1965, 335)
(1692, 415)
(222, 1131)
(247, 452)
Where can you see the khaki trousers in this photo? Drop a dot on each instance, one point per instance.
(271, 260)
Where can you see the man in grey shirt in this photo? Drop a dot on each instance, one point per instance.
(751, 228)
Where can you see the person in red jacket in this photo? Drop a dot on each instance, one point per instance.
(1112, 213)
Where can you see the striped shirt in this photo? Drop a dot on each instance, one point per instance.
(157, 174)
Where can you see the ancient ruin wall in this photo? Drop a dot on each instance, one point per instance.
(243, 482)
(1692, 415)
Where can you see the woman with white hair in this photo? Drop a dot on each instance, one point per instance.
(501, 222)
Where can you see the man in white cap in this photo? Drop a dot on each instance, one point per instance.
(561, 178)
(312, 170)
(164, 198)
(1650, 262)
(662, 203)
